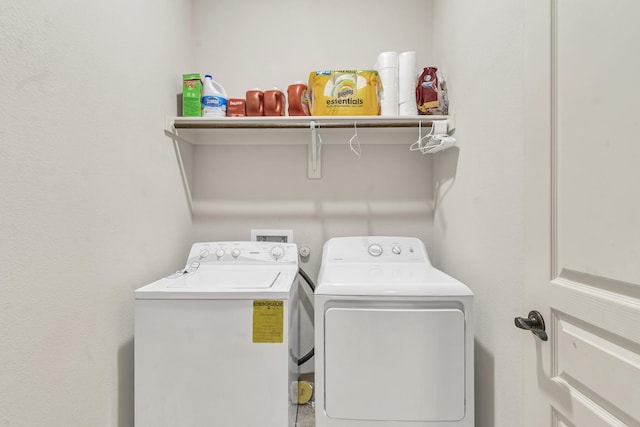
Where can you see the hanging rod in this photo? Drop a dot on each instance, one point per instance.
(287, 122)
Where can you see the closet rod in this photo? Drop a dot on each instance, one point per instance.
(320, 123)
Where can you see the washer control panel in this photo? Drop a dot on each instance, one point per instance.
(374, 249)
(243, 253)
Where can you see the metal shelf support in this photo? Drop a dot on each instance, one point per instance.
(315, 150)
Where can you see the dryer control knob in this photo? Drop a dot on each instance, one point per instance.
(277, 252)
(220, 253)
(396, 250)
(375, 250)
(204, 253)
(235, 253)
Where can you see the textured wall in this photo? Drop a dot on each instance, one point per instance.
(92, 205)
(478, 225)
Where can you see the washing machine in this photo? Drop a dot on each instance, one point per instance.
(393, 337)
(216, 342)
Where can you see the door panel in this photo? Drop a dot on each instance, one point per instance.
(598, 143)
(602, 366)
(583, 211)
(384, 364)
(586, 414)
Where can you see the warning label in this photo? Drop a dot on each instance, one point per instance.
(268, 318)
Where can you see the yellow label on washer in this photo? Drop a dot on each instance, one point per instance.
(268, 321)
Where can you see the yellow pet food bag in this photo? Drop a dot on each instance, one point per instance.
(344, 93)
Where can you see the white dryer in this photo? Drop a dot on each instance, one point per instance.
(393, 338)
(215, 343)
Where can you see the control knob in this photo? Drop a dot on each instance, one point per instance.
(235, 253)
(375, 250)
(277, 252)
(220, 253)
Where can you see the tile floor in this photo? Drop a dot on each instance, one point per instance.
(306, 412)
(306, 416)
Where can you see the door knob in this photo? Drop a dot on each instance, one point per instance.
(533, 323)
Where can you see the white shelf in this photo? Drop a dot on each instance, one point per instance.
(432, 133)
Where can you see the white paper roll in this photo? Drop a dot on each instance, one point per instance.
(387, 60)
(387, 66)
(407, 77)
(408, 109)
(389, 94)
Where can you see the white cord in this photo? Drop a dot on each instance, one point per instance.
(358, 152)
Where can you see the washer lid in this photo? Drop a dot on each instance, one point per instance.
(389, 279)
(224, 282)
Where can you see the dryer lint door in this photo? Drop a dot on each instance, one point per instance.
(395, 364)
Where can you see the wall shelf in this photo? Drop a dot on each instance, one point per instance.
(433, 133)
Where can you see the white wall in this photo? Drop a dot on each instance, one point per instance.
(246, 43)
(478, 226)
(92, 205)
(388, 191)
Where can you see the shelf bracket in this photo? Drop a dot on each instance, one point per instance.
(314, 170)
(172, 133)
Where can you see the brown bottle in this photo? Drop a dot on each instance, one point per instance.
(295, 94)
(254, 103)
(274, 102)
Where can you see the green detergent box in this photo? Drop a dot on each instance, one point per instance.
(191, 93)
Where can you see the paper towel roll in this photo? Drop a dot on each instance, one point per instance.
(389, 95)
(387, 66)
(408, 109)
(387, 60)
(407, 80)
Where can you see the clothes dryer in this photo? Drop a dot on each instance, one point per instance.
(215, 343)
(393, 337)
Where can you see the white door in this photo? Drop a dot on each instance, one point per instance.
(582, 202)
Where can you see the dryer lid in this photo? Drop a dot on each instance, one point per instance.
(224, 282)
(388, 279)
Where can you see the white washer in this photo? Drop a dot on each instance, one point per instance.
(393, 337)
(215, 343)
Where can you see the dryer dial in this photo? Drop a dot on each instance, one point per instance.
(375, 249)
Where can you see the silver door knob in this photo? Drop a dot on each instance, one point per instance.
(534, 323)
